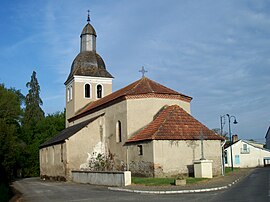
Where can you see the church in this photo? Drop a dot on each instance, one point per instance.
(145, 127)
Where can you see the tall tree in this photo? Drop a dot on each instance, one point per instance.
(33, 112)
(10, 113)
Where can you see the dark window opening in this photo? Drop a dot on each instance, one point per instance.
(87, 90)
(118, 132)
(99, 91)
(140, 150)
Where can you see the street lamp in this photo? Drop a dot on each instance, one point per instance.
(230, 135)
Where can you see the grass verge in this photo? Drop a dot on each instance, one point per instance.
(229, 169)
(161, 181)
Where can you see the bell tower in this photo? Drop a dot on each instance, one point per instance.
(88, 79)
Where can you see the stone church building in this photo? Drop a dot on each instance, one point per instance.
(144, 127)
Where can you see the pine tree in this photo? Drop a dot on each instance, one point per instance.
(33, 112)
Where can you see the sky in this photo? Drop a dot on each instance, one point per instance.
(217, 52)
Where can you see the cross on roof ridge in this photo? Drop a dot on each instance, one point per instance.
(143, 71)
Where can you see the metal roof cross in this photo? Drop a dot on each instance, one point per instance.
(88, 17)
(143, 71)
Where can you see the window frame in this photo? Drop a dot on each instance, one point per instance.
(89, 90)
(140, 147)
(97, 93)
(118, 131)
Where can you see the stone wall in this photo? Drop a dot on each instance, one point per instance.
(165, 158)
(102, 178)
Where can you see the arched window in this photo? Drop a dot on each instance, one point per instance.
(118, 131)
(68, 94)
(99, 91)
(87, 90)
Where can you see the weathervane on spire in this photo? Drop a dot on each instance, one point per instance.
(143, 71)
(88, 17)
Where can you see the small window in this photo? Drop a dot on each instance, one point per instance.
(70, 93)
(99, 91)
(245, 147)
(87, 90)
(140, 150)
(118, 131)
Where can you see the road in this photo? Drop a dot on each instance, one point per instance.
(253, 188)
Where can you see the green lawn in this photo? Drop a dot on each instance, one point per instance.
(229, 169)
(161, 181)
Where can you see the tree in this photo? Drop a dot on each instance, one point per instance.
(10, 115)
(33, 112)
(48, 127)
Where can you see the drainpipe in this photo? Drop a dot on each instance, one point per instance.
(222, 158)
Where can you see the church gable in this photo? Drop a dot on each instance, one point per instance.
(174, 123)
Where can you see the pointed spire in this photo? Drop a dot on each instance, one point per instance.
(88, 17)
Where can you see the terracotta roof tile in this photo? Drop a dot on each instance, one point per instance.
(143, 87)
(174, 123)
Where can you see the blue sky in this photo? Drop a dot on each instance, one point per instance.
(217, 52)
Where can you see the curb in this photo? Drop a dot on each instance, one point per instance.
(176, 191)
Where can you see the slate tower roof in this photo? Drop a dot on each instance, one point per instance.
(88, 62)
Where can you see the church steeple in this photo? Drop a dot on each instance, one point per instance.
(88, 37)
(88, 79)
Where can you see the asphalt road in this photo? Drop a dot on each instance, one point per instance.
(255, 187)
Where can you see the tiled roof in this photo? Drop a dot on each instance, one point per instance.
(143, 87)
(66, 133)
(174, 123)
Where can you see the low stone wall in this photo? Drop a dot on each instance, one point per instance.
(109, 178)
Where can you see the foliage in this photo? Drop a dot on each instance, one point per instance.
(5, 192)
(44, 130)
(36, 128)
(101, 162)
(33, 112)
(10, 113)
(23, 130)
